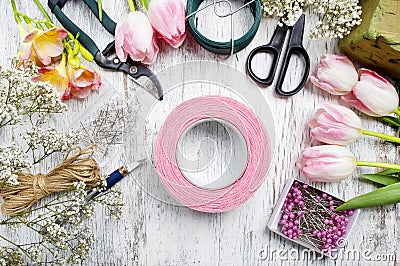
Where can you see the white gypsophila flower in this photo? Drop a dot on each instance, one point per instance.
(57, 235)
(9, 114)
(19, 96)
(10, 256)
(336, 18)
(82, 247)
(12, 160)
(64, 234)
(66, 229)
(35, 254)
(50, 139)
(113, 202)
(80, 205)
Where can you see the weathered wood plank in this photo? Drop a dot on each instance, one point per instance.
(155, 233)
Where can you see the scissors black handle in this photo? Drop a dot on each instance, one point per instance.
(275, 47)
(264, 49)
(292, 50)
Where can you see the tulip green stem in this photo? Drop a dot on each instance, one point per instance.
(380, 135)
(14, 7)
(131, 5)
(379, 165)
(397, 112)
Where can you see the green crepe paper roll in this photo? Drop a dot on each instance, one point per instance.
(375, 43)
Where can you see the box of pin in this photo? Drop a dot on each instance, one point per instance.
(307, 216)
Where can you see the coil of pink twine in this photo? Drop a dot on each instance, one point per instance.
(234, 113)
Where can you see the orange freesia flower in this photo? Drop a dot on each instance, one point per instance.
(82, 81)
(71, 82)
(55, 76)
(41, 45)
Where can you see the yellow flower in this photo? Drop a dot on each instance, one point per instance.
(22, 34)
(42, 46)
(70, 81)
(55, 76)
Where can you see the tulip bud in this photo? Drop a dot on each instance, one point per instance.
(335, 124)
(135, 36)
(335, 74)
(373, 95)
(327, 163)
(168, 18)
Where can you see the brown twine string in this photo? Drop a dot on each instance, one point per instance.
(79, 167)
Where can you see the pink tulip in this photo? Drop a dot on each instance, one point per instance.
(335, 124)
(373, 95)
(335, 74)
(327, 163)
(168, 18)
(135, 36)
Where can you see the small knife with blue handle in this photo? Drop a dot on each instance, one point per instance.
(111, 180)
(115, 177)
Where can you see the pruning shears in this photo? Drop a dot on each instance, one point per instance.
(106, 58)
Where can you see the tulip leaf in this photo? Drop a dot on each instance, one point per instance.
(393, 121)
(389, 172)
(385, 180)
(383, 196)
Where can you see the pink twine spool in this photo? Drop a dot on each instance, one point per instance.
(234, 113)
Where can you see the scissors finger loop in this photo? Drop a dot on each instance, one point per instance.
(286, 60)
(268, 50)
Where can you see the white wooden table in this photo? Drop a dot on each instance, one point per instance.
(152, 232)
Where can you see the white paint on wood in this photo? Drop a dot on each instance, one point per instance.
(154, 233)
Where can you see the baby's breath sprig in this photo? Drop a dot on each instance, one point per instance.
(49, 141)
(336, 18)
(10, 256)
(61, 225)
(112, 201)
(12, 160)
(29, 104)
(22, 99)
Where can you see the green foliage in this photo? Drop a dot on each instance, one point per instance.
(385, 180)
(393, 121)
(144, 3)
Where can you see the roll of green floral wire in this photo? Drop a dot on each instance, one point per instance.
(223, 47)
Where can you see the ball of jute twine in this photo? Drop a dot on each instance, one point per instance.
(77, 167)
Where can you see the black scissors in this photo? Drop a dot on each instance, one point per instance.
(107, 58)
(275, 47)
